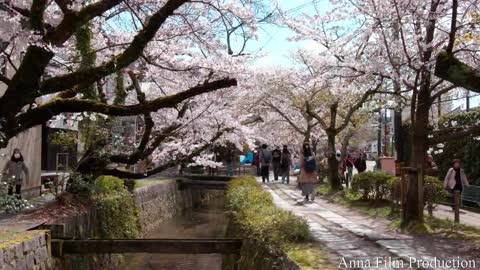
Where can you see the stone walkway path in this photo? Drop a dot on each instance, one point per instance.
(358, 242)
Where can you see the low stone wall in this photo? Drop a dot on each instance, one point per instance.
(25, 251)
(156, 203)
(160, 202)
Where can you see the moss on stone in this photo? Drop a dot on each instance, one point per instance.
(10, 238)
(146, 183)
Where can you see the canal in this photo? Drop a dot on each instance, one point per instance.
(205, 222)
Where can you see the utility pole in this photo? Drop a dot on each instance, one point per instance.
(379, 135)
(468, 101)
(385, 134)
(397, 132)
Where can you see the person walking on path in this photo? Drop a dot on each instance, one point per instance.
(256, 161)
(455, 179)
(348, 168)
(361, 163)
(308, 179)
(285, 164)
(229, 161)
(276, 158)
(14, 172)
(265, 160)
(430, 166)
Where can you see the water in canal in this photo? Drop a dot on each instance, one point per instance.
(206, 222)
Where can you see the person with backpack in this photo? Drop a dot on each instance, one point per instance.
(276, 157)
(308, 179)
(265, 160)
(285, 164)
(361, 163)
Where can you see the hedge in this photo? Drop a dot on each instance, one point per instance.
(116, 209)
(252, 208)
(372, 185)
(383, 186)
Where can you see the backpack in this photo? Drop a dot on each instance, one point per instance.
(267, 156)
(284, 162)
(310, 164)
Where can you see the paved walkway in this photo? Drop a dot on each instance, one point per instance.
(354, 241)
(466, 217)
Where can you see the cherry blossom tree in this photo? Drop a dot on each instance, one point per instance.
(316, 99)
(64, 55)
(397, 41)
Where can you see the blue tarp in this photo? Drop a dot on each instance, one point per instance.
(246, 159)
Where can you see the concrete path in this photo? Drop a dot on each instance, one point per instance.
(358, 242)
(466, 217)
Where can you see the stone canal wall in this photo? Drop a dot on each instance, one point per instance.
(25, 250)
(160, 202)
(156, 204)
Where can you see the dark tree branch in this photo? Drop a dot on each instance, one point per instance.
(357, 106)
(453, 27)
(171, 163)
(36, 15)
(71, 23)
(455, 71)
(57, 106)
(4, 79)
(131, 53)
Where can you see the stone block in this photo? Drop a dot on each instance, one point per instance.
(21, 264)
(19, 250)
(30, 259)
(6, 266)
(42, 238)
(28, 245)
(9, 253)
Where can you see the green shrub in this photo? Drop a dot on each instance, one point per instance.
(119, 215)
(395, 187)
(108, 183)
(252, 208)
(81, 184)
(372, 185)
(117, 208)
(433, 192)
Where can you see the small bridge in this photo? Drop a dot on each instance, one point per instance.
(203, 182)
(62, 247)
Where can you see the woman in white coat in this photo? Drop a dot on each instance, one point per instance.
(456, 179)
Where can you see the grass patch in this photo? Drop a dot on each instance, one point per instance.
(309, 256)
(146, 183)
(448, 228)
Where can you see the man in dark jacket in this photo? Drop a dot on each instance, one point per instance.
(276, 158)
(265, 160)
(361, 163)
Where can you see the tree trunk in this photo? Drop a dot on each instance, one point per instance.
(333, 178)
(413, 211)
